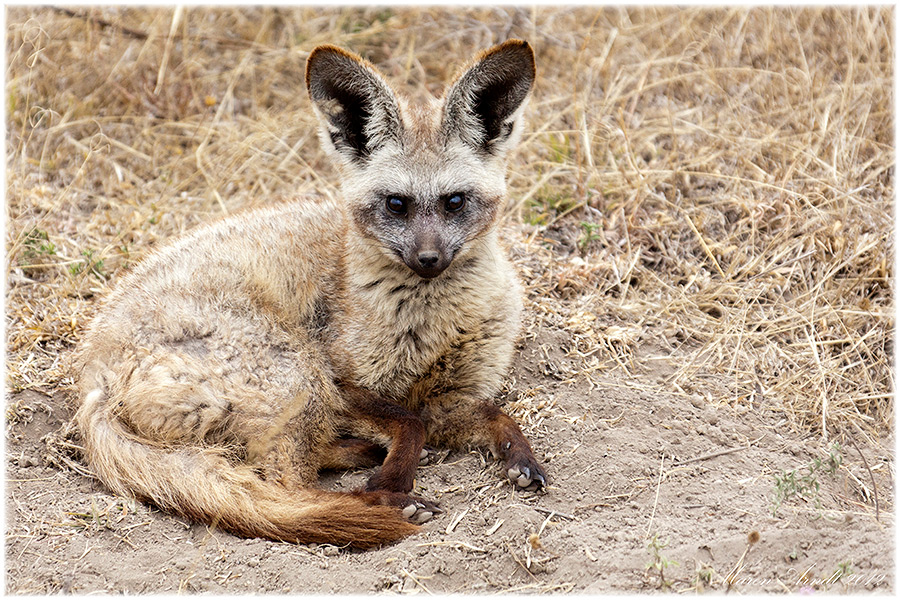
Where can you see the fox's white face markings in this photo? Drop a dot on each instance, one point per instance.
(422, 210)
(422, 182)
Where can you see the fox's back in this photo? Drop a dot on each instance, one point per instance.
(276, 266)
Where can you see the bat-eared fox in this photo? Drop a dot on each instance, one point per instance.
(231, 366)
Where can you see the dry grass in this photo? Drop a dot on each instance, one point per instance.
(715, 185)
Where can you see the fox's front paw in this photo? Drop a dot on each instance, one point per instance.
(432, 456)
(527, 474)
(419, 510)
(415, 509)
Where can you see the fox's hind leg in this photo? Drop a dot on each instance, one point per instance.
(269, 400)
(352, 453)
(169, 397)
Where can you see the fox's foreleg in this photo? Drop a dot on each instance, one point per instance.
(458, 421)
(455, 403)
(370, 417)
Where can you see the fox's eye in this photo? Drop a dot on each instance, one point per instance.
(455, 203)
(396, 205)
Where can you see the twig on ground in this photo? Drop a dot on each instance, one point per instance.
(656, 499)
(871, 476)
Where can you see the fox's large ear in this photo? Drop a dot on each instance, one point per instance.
(357, 110)
(484, 106)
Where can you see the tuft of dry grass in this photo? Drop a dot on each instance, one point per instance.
(713, 186)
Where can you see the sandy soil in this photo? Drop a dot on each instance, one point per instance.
(628, 466)
(710, 270)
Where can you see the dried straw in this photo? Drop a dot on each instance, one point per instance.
(711, 185)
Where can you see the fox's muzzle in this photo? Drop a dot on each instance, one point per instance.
(428, 262)
(428, 254)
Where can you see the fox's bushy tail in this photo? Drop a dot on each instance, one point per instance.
(202, 485)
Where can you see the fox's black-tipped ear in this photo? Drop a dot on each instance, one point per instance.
(357, 110)
(484, 106)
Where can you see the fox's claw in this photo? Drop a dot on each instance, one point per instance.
(415, 509)
(418, 512)
(528, 478)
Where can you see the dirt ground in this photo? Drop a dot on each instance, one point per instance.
(700, 211)
(629, 465)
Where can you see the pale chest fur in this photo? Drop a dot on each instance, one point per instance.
(400, 326)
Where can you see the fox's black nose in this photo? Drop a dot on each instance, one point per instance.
(428, 259)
